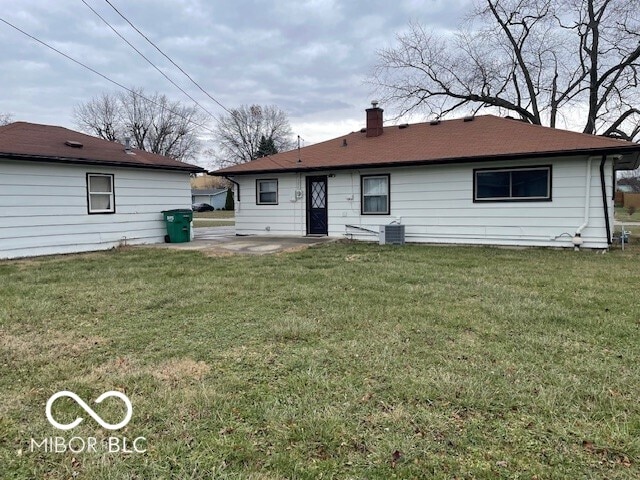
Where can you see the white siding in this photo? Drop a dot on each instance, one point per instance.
(43, 208)
(436, 205)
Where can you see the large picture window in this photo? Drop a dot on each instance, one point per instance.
(100, 193)
(267, 192)
(375, 194)
(512, 184)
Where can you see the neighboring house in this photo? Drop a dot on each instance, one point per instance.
(215, 197)
(62, 191)
(477, 180)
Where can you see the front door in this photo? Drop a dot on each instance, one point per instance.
(317, 221)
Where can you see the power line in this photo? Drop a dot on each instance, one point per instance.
(168, 58)
(148, 61)
(102, 75)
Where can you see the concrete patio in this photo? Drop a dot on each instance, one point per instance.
(223, 240)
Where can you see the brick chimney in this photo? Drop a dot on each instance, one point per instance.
(374, 120)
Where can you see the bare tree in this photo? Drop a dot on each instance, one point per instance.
(101, 116)
(238, 134)
(153, 122)
(539, 60)
(161, 126)
(6, 118)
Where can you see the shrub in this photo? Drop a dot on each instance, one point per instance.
(228, 204)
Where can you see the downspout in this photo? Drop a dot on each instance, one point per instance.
(577, 239)
(604, 199)
(236, 184)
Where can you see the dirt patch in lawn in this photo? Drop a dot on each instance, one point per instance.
(180, 370)
(172, 371)
(49, 344)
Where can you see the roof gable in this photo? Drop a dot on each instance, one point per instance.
(35, 142)
(481, 138)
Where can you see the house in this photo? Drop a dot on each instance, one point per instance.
(62, 191)
(216, 197)
(476, 180)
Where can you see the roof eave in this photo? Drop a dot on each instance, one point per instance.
(105, 163)
(623, 149)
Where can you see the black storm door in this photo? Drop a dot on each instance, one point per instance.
(317, 206)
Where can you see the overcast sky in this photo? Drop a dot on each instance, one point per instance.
(309, 57)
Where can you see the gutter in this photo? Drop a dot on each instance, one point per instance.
(101, 163)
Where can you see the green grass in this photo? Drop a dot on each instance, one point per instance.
(208, 223)
(340, 361)
(622, 215)
(220, 214)
(218, 218)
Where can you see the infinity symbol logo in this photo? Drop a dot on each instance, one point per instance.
(89, 410)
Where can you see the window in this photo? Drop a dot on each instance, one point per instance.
(375, 195)
(515, 184)
(267, 192)
(100, 193)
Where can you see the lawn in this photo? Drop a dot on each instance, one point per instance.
(218, 218)
(217, 214)
(622, 215)
(340, 361)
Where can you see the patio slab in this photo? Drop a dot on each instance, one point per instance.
(223, 240)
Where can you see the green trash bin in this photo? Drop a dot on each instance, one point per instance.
(178, 223)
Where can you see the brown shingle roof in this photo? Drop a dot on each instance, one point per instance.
(484, 138)
(34, 142)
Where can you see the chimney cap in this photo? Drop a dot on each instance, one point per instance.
(374, 120)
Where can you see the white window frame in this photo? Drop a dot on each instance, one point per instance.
(111, 194)
(259, 183)
(387, 178)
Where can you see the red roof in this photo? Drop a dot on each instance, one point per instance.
(484, 138)
(34, 142)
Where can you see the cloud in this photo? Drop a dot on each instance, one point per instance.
(310, 57)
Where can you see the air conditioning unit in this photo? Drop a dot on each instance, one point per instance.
(392, 234)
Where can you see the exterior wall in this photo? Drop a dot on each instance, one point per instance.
(43, 208)
(288, 217)
(436, 205)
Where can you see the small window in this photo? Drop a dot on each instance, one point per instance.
(267, 192)
(100, 193)
(375, 195)
(517, 184)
